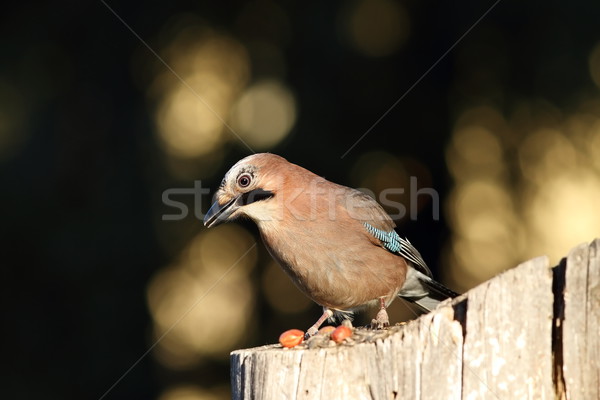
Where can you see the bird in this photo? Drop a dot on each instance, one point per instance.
(336, 243)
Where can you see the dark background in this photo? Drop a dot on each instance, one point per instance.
(82, 172)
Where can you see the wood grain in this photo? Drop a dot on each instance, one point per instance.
(581, 325)
(532, 332)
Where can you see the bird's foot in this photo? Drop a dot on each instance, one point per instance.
(312, 331)
(381, 320)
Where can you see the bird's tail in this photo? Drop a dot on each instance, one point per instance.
(423, 291)
(437, 293)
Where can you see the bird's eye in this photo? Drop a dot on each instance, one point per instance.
(244, 180)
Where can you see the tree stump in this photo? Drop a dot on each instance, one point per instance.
(530, 333)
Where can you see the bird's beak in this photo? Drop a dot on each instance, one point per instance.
(219, 213)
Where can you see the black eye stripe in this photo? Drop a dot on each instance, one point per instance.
(256, 195)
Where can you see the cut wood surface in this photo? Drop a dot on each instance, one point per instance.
(530, 333)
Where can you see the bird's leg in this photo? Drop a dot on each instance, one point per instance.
(381, 320)
(315, 328)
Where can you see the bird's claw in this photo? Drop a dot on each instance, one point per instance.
(381, 320)
(312, 331)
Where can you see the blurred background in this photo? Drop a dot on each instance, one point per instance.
(100, 114)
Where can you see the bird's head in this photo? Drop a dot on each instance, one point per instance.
(247, 189)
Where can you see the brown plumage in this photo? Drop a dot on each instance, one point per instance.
(316, 230)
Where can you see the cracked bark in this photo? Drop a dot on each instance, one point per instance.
(558, 290)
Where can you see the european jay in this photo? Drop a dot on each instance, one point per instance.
(337, 244)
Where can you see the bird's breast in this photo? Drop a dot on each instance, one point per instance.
(335, 268)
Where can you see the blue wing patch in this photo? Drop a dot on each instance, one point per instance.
(394, 243)
(390, 240)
